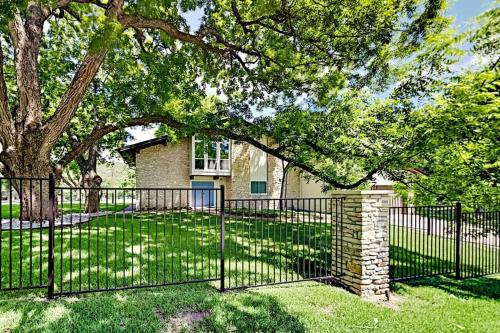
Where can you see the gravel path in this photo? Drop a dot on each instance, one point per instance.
(67, 220)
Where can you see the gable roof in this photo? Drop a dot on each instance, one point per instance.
(128, 152)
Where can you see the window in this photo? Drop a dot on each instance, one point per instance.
(211, 156)
(258, 187)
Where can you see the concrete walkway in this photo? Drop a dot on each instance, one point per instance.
(67, 220)
(473, 233)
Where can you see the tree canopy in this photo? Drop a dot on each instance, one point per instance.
(344, 78)
(459, 127)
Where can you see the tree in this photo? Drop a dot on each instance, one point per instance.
(460, 142)
(259, 53)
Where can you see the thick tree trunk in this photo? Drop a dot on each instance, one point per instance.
(91, 182)
(34, 199)
(32, 185)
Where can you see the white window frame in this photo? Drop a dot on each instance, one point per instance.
(210, 172)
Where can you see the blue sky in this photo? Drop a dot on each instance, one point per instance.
(463, 10)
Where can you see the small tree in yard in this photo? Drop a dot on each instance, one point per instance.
(267, 53)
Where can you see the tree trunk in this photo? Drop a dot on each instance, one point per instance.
(31, 185)
(91, 182)
(284, 182)
(34, 199)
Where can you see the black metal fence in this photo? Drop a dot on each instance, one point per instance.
(275, 241)
(442, 240)
(138, 237)
(79, 240)
(23, 234)
(480, 249)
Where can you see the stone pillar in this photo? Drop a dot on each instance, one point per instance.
(365, 243)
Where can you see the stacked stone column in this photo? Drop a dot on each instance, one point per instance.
(364, 259)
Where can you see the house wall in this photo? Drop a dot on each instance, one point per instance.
(169, 166)
(250, 163)
(160, 167)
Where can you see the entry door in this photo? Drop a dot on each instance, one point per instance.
(203, 197)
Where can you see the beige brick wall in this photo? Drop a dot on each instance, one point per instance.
(169, 166)
(238, 184)
(293, 183)
(163, 166)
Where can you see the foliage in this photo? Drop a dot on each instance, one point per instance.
(314, 61)
(460, 139)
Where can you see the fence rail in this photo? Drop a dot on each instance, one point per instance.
(23, 233)
(80, 240)
(274, 241)
(481, 243)
(137, 238)
(442, 240)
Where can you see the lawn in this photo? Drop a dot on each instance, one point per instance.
(13, 210)
(158, 248)
(429, 305)
(417, 254)
(154, 248)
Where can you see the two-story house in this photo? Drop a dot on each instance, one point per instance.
(197, 162)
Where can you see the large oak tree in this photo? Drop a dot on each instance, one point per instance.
(257, 54)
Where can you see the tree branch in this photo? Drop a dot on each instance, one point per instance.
(170, 121)
(100, 132)
(138, 22)
(26, 37)
(88, 69)
(68, 105)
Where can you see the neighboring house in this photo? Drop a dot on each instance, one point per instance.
(244, 170)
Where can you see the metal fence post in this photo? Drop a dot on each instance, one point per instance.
(51, 217)
(458, 236)
(222, 238)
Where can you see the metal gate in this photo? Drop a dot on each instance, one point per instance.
(443, 240)
(276, 241)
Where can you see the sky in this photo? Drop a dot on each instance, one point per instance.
(463, 10)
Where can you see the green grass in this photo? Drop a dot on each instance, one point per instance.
(164, 248)
(429, 305)
(417, 254)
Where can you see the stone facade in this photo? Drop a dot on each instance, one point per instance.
(169, 166)
(365, 243)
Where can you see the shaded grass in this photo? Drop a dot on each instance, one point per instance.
(431, 305)
(147, 248)
(427, 305)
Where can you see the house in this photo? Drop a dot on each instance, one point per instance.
(200, 163)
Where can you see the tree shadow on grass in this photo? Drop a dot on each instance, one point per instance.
(407, 263)
(121, 311)
(250, 312)
(145, 310)
(484, 287)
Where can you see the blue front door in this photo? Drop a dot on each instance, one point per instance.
(202, 196)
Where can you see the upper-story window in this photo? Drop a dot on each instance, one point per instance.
(211, 156)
